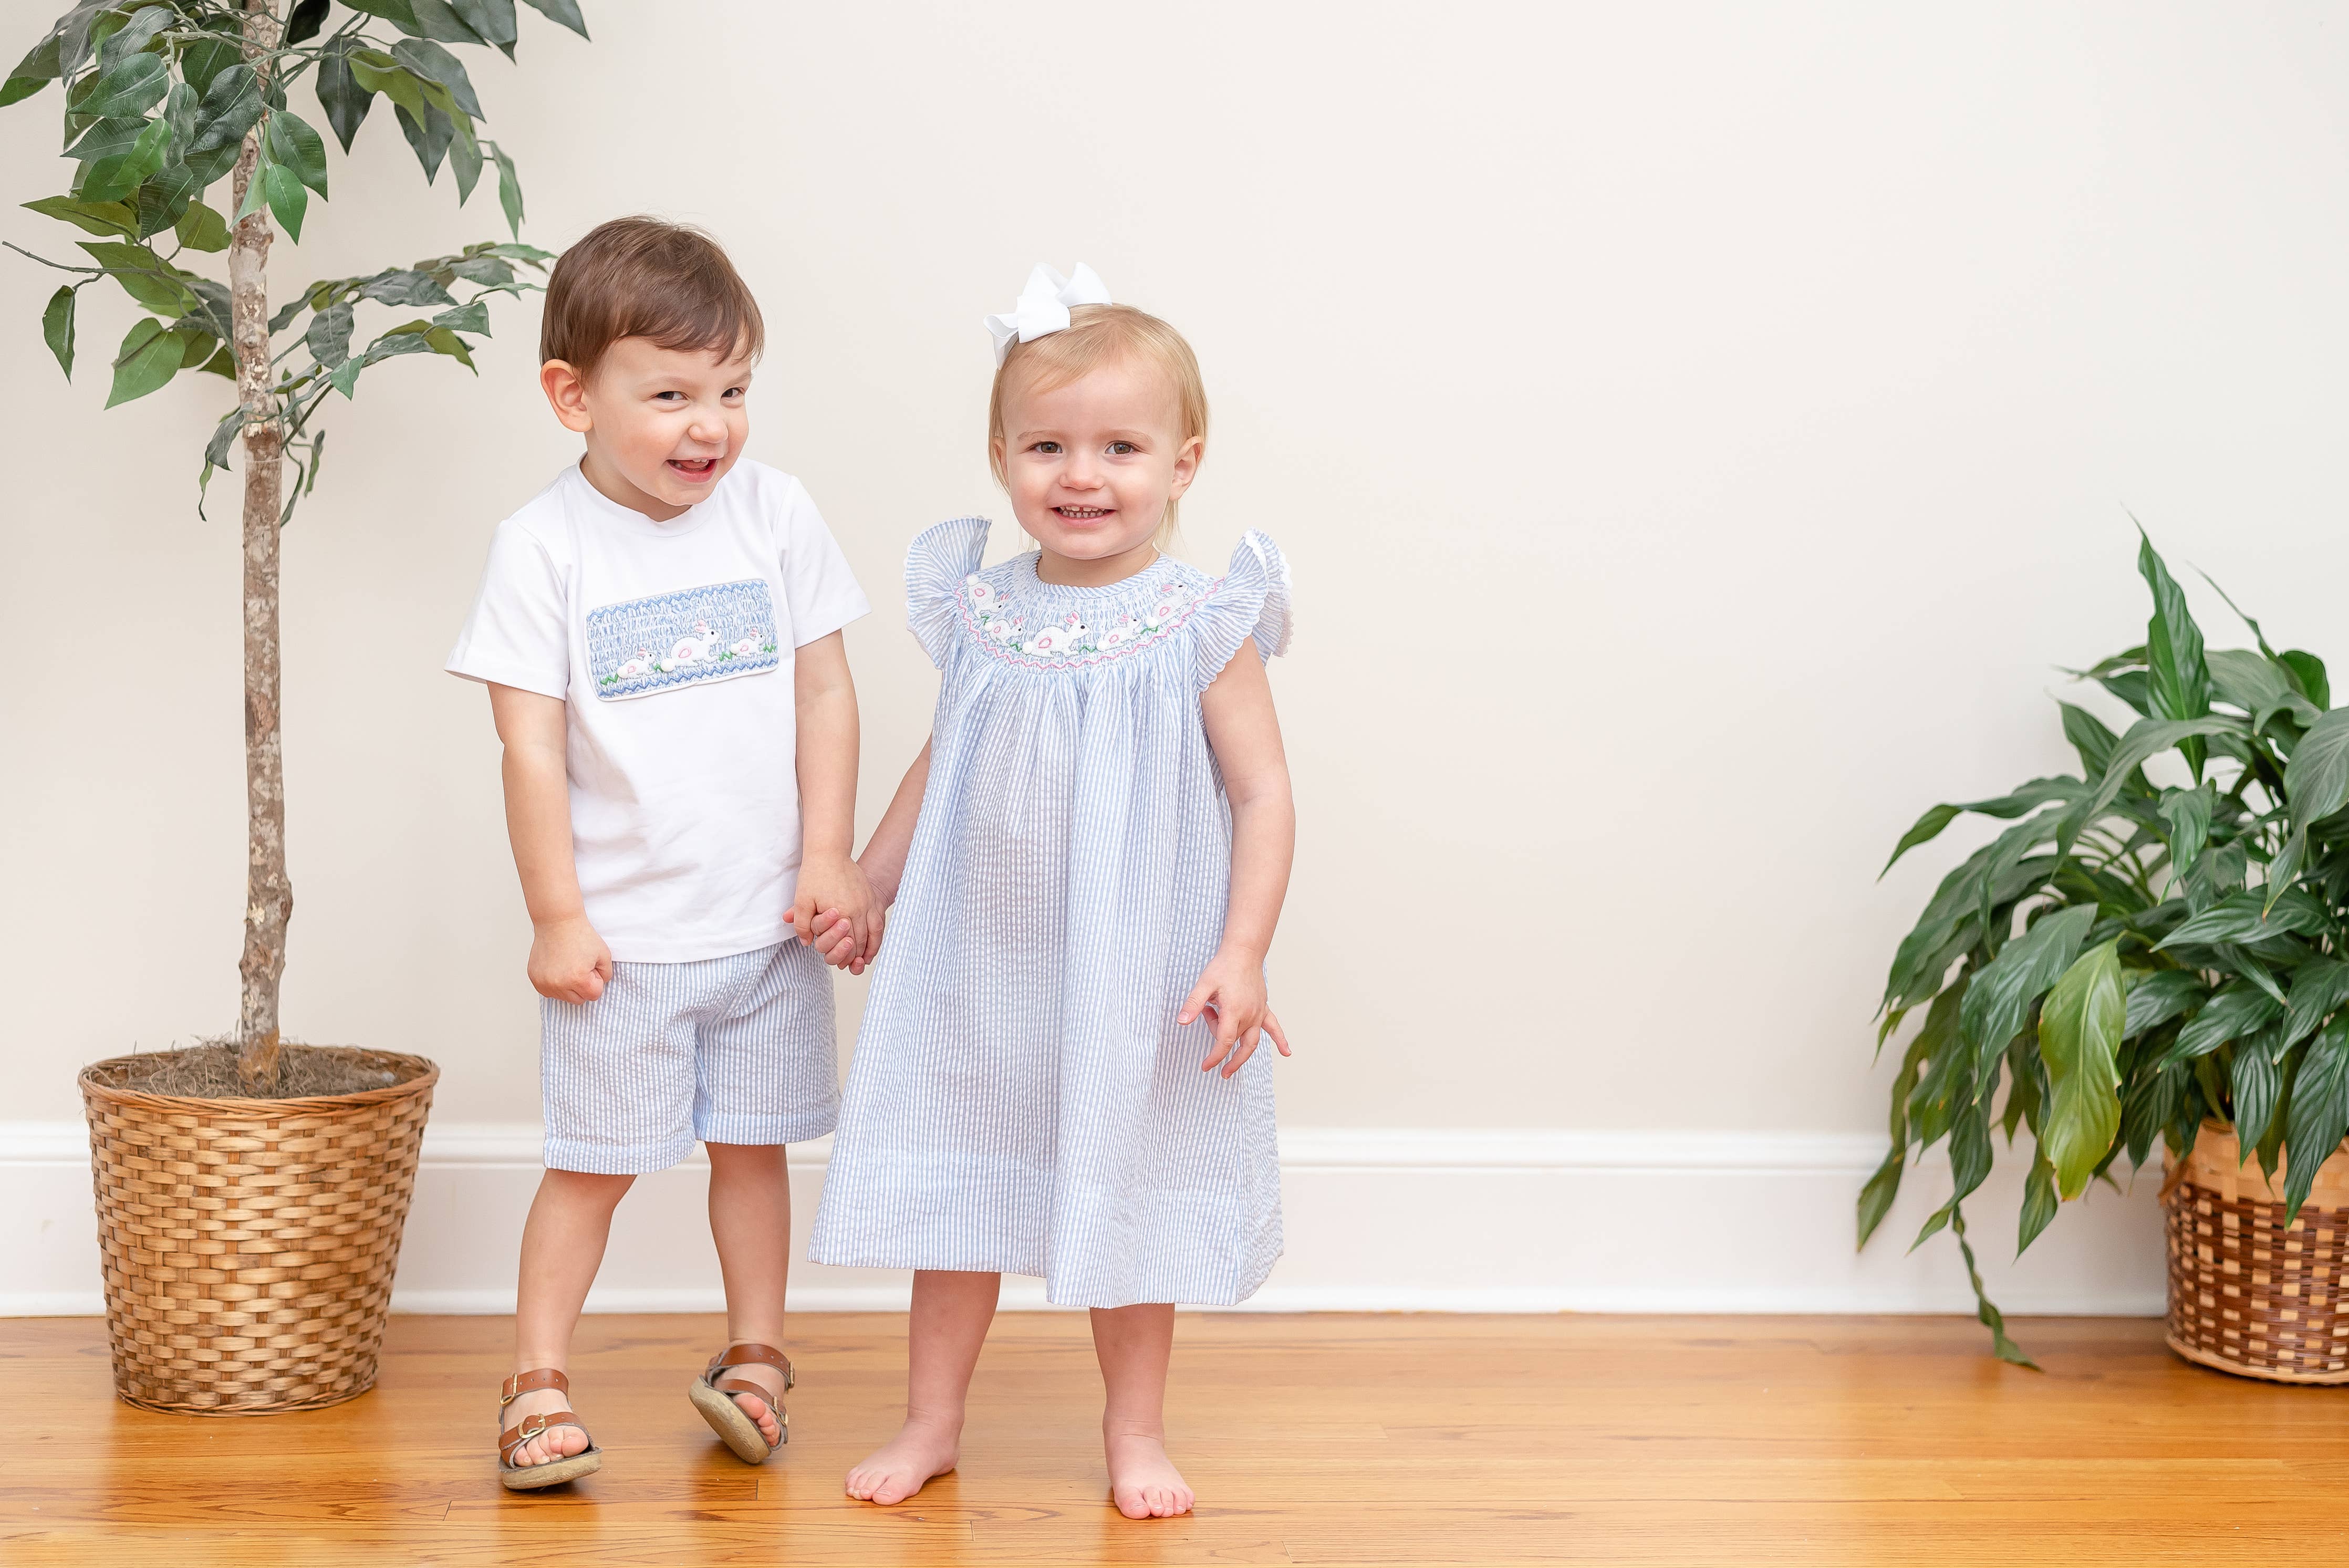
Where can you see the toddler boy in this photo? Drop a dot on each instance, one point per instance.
(660, 633)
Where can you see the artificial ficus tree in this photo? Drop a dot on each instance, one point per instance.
(162, 101)
(2159, 941)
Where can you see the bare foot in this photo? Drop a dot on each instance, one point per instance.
(1142, 1482)
(555, 1442)
(899, 1467)
(760, 1411)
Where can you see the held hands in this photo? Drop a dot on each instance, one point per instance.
(835, 911)
(1231, 991)
(568, 962)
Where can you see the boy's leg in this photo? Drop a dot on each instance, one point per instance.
(562, 1246)
(750, 1220)
(1133, 1344)
(951, 1311)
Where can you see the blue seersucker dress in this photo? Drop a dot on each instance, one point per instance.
(1022, 1099)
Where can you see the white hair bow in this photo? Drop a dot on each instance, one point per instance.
(1043, 306)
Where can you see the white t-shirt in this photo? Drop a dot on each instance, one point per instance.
(673, 643)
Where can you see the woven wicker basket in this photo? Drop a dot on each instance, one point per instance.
(2246, 1295)
(249, 1244)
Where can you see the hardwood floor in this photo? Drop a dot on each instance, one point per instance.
(1394, 1440)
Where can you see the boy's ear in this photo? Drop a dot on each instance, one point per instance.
(566, 394)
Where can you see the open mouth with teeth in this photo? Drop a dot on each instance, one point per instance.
(693, 470)
(1081, 514)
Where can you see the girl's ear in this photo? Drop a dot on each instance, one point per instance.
(1187, 467)
(566, 394)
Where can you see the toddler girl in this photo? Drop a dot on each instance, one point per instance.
(1057, 1073)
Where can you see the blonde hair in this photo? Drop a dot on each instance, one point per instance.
(1096, 335)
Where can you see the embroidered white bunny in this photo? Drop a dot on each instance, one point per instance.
(642, 664)
(1059, 638)
(1119, 632)
(1004, 630)
(1170, 605)
(983, 596)
(698, 648)
(749, 645)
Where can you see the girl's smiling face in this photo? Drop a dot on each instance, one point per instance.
(1092, 464)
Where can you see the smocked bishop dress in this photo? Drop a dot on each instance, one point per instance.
(1022, 1099)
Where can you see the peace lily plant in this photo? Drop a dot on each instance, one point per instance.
(162, 101)
(2133, 958)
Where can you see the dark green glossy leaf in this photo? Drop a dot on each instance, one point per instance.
(1969, 1158)
(2038, 1201)
(2308, 674)
(111, 178)
(2318, 1114)
(465, 161)
(231, 106)
(57, 329)
(2178, 679)
(2132, 687)
(2146, 738)
(2188, 813)
(294, 145)
(404, 287)
(2253, 1086)
(2218, 872)
(339, 94)
(2062, 789)
(287, 198)
(2003, 1348)
(143, 274)
(2079, 1039)
(509, 188)
(107, 137)
(164, 198)
(2317, 777)
(2150, 1103)
(2001, 996)
(200, 63)
(428, 138)
(329, 336)
(307, 18)
(2235, 1011)
(2243, 917)
(429, 61)
(2318, 987)
(473, 317)
(492, 20)
(34, 72)
(1876, 1197)
(399, 13)
(2159, 996)
(564, 11)
(91, 217)
(2258, 685)
(438, 19)
(130, 38)
(2089, 738)
(149, 358)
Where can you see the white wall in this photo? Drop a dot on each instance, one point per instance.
(1699, 433)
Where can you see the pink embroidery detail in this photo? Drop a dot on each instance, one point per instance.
(1129, 636)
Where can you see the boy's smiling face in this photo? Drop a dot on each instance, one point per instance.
(663, 425)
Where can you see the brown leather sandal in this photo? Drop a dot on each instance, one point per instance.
(554, 1472)
(714, 1398)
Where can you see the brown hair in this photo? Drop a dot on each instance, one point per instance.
(646, 277)
(1097, 334)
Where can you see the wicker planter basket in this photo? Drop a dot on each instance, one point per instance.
(249, 1244)
(2246, 1295)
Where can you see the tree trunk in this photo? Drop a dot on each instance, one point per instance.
(269, 897)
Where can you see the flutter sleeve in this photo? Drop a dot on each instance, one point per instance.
(1252, 601)
(940, 558)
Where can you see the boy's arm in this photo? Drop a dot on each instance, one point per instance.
(568, 962)
(830, 882)
(883, 864)
(1245, 735)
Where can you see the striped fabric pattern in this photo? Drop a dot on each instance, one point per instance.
(1022, 1099)
(737, 1049)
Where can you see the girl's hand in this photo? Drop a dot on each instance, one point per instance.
(568, 962)
(1231, 989)
(834, 939)
(833, 892)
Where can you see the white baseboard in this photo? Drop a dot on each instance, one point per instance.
(1378, 1219)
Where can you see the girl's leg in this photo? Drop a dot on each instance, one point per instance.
(562, 1246)
(951, 1311)
(1133, 1344)
(750, 1220)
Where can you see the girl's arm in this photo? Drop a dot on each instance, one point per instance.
(1245, 735)
(884, 853)
(568, 962)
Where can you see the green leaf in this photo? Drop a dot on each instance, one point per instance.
(399, 13)
(1876, 1197)
(438, 19)
(2089, 738)
(329, 336)
(1970, 1158)
(346, 375)
(2252, 1085)
(2146, 738)
(429, 61)
(2160, 996)
(509, 188)
(2319, 1114)
(134, 86)
(465, 161)
(405, 286)
(231, 106)
(200, 63)
(151, 356)
(1991, 1317)
(2318, 987)
(2038, 1201)
(2233, 1012)
(294, 145)
(57, 329)
(202, 229)
(143, 274)
(2037, 793)
(286, 197)
(132, 38)
(2243, 917)
(2179, 679)
(493, 19)
(444, 342)
(34, 72)
(564, 11)
(378, 72)
(2001, 996)
(91, 217)
(2079, 1038)
(113, 177)
(339, 94)
(2317, 777)
(428, 137)
(473, 317)
(2257, 685)
(2308, 674)
(2188, 813)
(303, 24)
